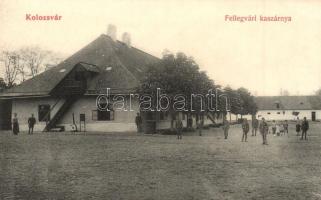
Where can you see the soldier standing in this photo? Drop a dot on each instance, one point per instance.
(273, 127)
(264, 130)
(138, 121)
(226, 126)
(305, 128)
(255, 125)
(245, 128)
(179, 127)
(31, 124)
(200, 124)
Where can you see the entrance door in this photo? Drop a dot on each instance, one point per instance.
(5, 114)
(149, 122)
(313, 116)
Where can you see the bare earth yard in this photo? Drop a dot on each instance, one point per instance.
(131, 166)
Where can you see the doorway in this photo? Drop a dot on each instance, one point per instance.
(5, 114)
(313, 116)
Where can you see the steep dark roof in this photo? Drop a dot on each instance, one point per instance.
(288, 102)
(120, 66)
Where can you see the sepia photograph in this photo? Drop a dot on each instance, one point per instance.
(160, 100)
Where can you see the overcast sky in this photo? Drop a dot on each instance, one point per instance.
(261, 56)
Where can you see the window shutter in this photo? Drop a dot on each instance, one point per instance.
(94, 115)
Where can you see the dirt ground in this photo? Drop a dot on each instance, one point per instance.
(131, 166)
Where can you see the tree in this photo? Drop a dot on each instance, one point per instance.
(3, 84)
(248, 105)
(177, 74)
(36, 60)
(234, 100)
(26, 63)
(12, 62)
(52, 59)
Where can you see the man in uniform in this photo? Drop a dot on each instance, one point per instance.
(179, 127)
(304, 128)
(139, 121)
(245, 128)
(255, 125)
(264, 128)
(226, 127)
(31, 124)
(200, 125)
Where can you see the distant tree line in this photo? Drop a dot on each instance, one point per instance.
(24, 63)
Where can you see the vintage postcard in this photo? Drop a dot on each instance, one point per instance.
(160, 99)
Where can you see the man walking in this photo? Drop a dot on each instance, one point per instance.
(255, 125)
(246, 129)
(179, 127)
(31, 124)
(304, 128)
(264, 130)
(138, 121)
(226, 126)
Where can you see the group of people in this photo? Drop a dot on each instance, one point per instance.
(277, 128)
(179, 127)
(15, 124)
(280, 128)
(302, 127)
(262, 126)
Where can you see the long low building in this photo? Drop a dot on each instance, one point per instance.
(289, 107)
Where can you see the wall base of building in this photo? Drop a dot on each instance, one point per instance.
(91, 127)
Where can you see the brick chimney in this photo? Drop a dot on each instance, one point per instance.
(126, 39)
(112, 31)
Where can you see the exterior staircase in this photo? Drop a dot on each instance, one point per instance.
(211, 117)
(52, 123)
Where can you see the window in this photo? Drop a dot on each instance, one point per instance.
(268, 113)
(277, 105)
(44, 113)
(283, 112)
(79, 76)
(278, 113)
(103, 115)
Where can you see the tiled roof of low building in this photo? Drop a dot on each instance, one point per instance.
(120, 67)
(288, 102)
